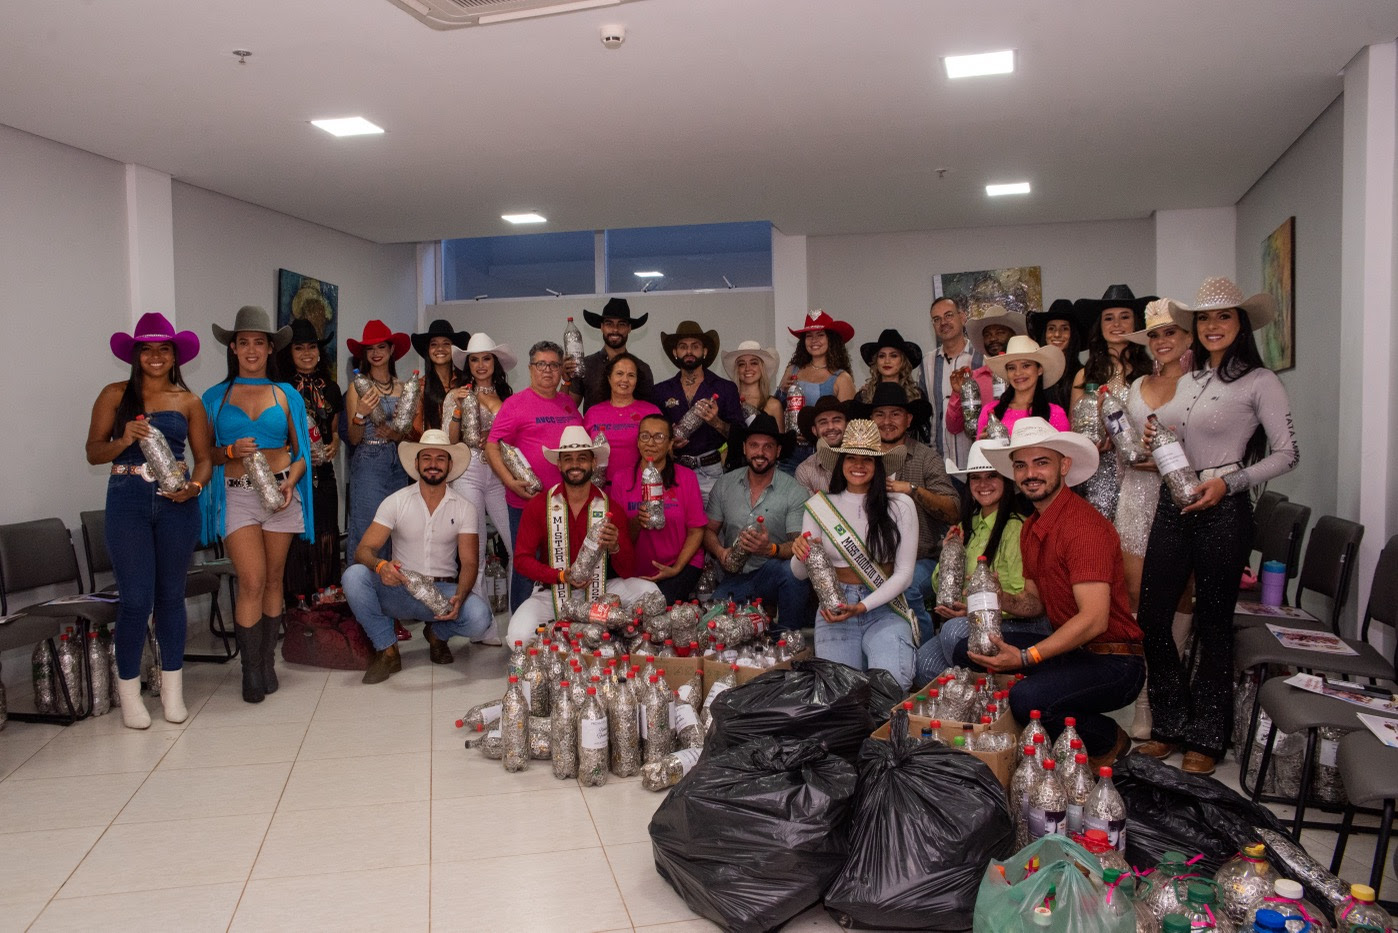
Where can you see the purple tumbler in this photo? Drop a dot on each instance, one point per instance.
(1273, 579)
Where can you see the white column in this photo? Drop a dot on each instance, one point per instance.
(150, 243)
(429, 279)
(1190, 246)
(1364, 486)
(789, 280)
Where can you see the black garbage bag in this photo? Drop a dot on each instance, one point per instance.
(927, 821)
(1167, 809)
(815, 699)
(885, 693)
(753, 835)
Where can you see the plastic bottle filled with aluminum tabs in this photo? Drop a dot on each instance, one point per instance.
(514, 727)
(593, 741)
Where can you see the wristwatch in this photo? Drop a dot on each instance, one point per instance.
(912, 487)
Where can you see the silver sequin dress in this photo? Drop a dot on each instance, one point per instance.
(1103, 488)
(1140, 489)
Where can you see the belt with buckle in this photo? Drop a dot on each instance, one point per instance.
(444, 579)
(142, 470)
(702, 460)
(243, 482)
(1131, 648)
(1219, 471)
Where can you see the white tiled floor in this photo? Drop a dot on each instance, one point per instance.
(333, 806)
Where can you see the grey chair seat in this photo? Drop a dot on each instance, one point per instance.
(95, 611)
(223, 566)
(1242, 620)
(201, 582)
(1295, 710)
(26, 630)
(1255, 646)
(1369, 768)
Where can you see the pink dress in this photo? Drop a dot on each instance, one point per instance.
(684, 509)
(1056, 418)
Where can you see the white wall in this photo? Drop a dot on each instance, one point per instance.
(1190, 246)
(1305, 182)
(885, 280)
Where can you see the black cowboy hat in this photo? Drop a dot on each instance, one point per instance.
(617, 308)
(891, 393)
(1060, 310)
(806, 419)
(763, 423)
(303, 331)
(439, 328)
(1089, 310)
(894, 340)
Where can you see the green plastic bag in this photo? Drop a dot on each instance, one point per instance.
(1068, 882)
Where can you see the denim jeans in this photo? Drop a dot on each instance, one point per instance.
(934, 654)
(917, 592)
(375, 606)
(374, 475)
(151, 541)
(778, 587)
(878, 639)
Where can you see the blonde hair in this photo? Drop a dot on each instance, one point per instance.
(905, 379)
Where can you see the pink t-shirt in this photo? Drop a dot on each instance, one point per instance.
(531, 422)
(684, 509)
(622, 425)
(1056, 418)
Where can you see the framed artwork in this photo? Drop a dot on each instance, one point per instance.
(1019, 290)
(304, 298)
(1277, 340)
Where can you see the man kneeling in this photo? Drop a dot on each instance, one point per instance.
(434, 532)
(552, 530)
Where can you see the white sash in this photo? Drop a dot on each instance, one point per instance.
(835, 529)
(558, 546)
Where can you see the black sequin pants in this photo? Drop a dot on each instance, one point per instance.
(1213, 545)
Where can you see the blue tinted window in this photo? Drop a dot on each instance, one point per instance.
(691, 257)
(524, 266)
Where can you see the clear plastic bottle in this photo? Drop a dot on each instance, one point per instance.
(408, 404)
(983, 609)
(708, 579)
(70, 666)
(690, 421)
(1288, 899)
(995, 429)
(1245, 881)
(652, 511)
(99, 677)
(667, 772)
(424, 590)
(592, 741)
(971, 403)
(822, 576)
(1361, 912)
(1063, 750)
(589, 554)
(104, 637)
(535, 683)
(737, 555)
(657, 737)
(362, 385)
(469, 406)
(1166, 896)
(951, 571)
(1203, 912)
(1087, 415)
(1105, 810)
(1078, 785)
(263, 480)
(1126, 439)
(519, 468)
(623, 727)
(1122, 898)
(167, 472)
(1035, 727)
(1048, 804)
(1175, 923)
(1021, 784)
(573, 347)
(514, 727)
(518, 657)
(563, 733)
(1172, 462)
(791, 410)
(45, 668)
(599, 470)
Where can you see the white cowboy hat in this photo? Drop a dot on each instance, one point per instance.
(768, 356)
(575, 438)
(992, 314)
(862, 439)
(975, 460)
(1158, 314)
(1219, 292)
(437, 440)
(1049, 358)
(481, 343)
(1036, 432)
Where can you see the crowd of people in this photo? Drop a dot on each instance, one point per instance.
(1098, 567)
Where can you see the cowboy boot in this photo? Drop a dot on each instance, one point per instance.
(271, 628)
(385, 663)
(249, 640)
(1141, 723)
(133, 711)
(172, 696)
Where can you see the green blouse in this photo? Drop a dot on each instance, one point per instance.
(1007, 563)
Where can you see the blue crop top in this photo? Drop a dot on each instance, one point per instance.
(170, 423)
(268, 429)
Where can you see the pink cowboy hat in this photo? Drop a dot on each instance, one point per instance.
(154, 328)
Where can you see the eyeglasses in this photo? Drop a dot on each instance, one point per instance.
(653, 438)
(544, 366)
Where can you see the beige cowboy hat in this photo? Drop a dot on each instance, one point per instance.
(482, 343)
(768, 356)
(1219, 292)
(575, 438)
(1158, 315)
(975, 460)
(1020, 347)
(1036, 432)
(862, 438)
(255, 319)
(992, 314)
(435, 439)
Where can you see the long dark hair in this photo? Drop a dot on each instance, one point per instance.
(361, 363)
(883, 536)
(1012, 503)
(1241, 358)
(287, 365)
(667, 472)
(612, 364)
(497, 377)
(1135, 360)
(434, 393)
(133, 402)
(273, 370)
(836, 356)
(1038, 405)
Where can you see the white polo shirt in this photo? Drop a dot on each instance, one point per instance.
(426, 541)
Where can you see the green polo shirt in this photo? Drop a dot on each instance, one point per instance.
(780, 505)
(1007, 563)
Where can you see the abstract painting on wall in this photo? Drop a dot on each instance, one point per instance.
(1019, 290)
(304, 298)
(1277, 340)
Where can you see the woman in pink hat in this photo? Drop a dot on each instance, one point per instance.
(150, 534)
(820, 366)
(374, 470)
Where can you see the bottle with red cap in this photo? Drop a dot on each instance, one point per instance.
(592, 741)
(657, 737)
(1021, 785)
(652, 511)
(737, 556)
(791, 410)
(1063, 745)
(573, 347)
(563, 733)
(408, 402)
(1035, 727)
(1105, 810)
(1077, 784)
(1048, 804)
(514, 727)
(589, 554)
(691, 420)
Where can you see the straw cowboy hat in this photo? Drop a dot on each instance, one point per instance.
(893, 340)
(1036, 432)
(975, 460)
(258, 321)
(618, 309)
(575, 438)
(1218, 293)
(439, 328)
(690, 329)
(482, 343)
(862, 439)
(1049, 358)
(768, 356)
(436, 440)
(1116, 296)
(375, 333)
(154, 328)
(1158, 314)
(992, 314)
(819, 320)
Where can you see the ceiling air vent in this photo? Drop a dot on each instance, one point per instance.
(454, 14)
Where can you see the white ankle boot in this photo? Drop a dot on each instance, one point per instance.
(133, 710)
(172, 696)
(1141, 723)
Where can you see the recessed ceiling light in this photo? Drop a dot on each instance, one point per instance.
(348, 126)
(650, 274)
(1014, 187)
(530, 218)
(986, 63)
(568, 6)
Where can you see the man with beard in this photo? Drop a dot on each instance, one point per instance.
(692, 350)
(989, 332)
(433, 530)
(738, 499)
(923, 478)
(551, 533)
(1093, 662)
(825, 420)
(954, 353)
(615, 322)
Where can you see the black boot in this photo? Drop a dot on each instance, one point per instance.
(250, 647)
(271, 627)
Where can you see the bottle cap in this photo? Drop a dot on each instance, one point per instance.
(1362, 892)
(564, 683)
(1291, 890)
(936, 724)
(1080, 758)
(1035, 714)
(514, 679)
(1070, 721)
(1050, 764)
(1028, 751)
(1254, 850)
(1104, 771)
(959, 741)
(1267, 920)
(460, 723)
(908, 705)
(654, 678)
(1075, 744)
(1175, 923)
(1110, 875)
(592, 691)
(533, 652)
(1200, 893)
(1039, 738)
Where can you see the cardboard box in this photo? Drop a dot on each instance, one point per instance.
(713, 670)
(1001, 764)
(1003, 723)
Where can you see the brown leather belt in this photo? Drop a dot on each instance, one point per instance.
(1131, 648)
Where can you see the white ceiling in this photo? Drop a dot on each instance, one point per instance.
(823, 116)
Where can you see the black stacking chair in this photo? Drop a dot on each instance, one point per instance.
(1328, 571)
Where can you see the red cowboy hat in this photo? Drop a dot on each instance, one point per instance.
(819, 320)
(377, 332)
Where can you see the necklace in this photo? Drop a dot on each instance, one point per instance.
(385, 388)
(485, 389)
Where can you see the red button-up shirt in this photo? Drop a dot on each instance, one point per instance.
(1070, 542)
(531, 551)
